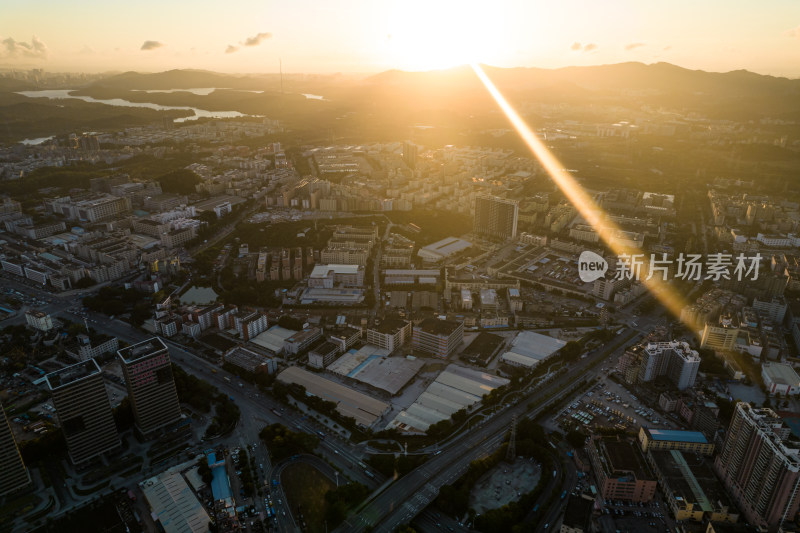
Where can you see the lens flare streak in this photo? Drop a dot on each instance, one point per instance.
(580, 199)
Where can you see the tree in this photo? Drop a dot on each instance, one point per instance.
(181, 181)
(576, 439)
(204, 470)
(85, 283)
(283, 443)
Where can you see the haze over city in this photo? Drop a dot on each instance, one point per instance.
(361, 36)
(400, 266)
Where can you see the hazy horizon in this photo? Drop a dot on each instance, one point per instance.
(359, 37)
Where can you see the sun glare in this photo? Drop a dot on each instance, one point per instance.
(578, 197)
(427, 35)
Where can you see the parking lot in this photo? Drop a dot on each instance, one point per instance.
(609, 404)
(626, 516)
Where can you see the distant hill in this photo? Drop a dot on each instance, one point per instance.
(179, 79)
(735, 94)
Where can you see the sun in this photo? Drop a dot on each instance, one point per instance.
(438, 34)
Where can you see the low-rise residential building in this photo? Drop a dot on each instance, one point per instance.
(39, 320)
(302, 340)
(87, 347)
(344, 337)
(323, 355)
(620, 469)
(438, 337)
(670, 439)
(250, 324)
(390, 335)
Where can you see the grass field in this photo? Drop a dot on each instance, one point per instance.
(305, 489)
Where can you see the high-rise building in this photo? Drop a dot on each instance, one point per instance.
(672, 359)
(83, 410)
(410, 154)
(13, 474)
(151, 386)
(759, 468)
(495, 217)
(722, 335)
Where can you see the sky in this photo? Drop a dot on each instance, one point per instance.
(364, 36)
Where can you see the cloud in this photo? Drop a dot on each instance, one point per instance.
(578, 47)
(86, 50)
(250, 41)
(13, 48)
(633, 46)
(151, 45)
(794, 32)
(666, 48)
(257, 39)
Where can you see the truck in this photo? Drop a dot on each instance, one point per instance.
(227, 379)
(277, 413)
(369, 474)
(554, 473)
(563, 495)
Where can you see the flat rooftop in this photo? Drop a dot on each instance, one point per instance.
(364, 409)
(142, 349)
(691, 478)
(674, 435)
(321, 271)
(781, 374)
(482, 348)
(349, 363)
(71, 374)
(273, 338)
(448, 246)
(325, 348)
(622, 458)
(390, 326)
(331, 296)
(435, 326)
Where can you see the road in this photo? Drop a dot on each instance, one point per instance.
(567, 474)
(408, 496)
(257, 410)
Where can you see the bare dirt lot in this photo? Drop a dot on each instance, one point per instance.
(504, 484)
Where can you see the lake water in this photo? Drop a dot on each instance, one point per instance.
(199, 296)
(63, 94)
(38, 140)
(199, 91)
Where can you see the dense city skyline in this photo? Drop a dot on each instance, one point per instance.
(363, 37)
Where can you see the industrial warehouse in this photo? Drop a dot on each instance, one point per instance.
(530, 348)
(372, 366)
(365, 410)
(454, 389)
